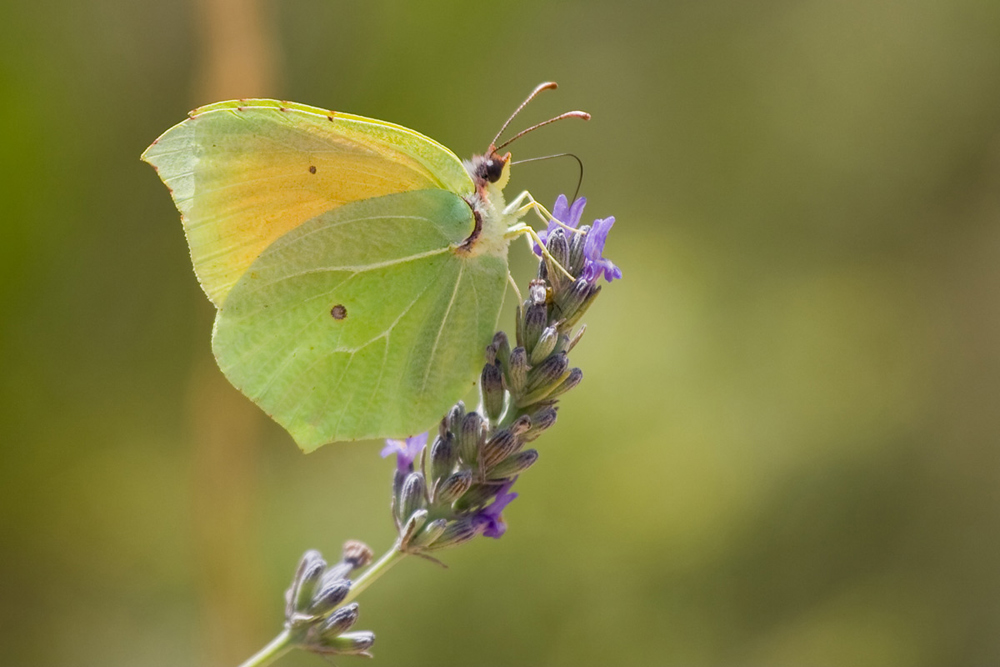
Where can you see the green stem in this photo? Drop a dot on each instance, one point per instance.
(380, 567)
(278, 647)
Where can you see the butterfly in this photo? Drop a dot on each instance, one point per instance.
(358, 267)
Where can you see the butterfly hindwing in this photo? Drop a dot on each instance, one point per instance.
(364, 321)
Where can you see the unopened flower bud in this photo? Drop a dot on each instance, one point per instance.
(351, 643)
(548, 372)
(491, 385)
(558, 247)
(329, 596)
(452, 487)
(545, 345)
(576, 251)
(444, 453)
(412, 497)
(357, 554)
(455, 533)
(429, 534)
(311, 560)
(569, 300)
(514, 464)
(398, 477)
(540, 421)
(412, 527)
(468, 437)
(502, 347)
(521, 425)
(455, 416)
(570, 320)
(499, 447)
(340, 621)
(574, 378)
(305, 586)
(517, 377)
(535, 319)
(477, 496)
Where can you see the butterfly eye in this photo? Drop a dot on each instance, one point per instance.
(494, 170)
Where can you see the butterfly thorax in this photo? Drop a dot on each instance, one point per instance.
(490, 174)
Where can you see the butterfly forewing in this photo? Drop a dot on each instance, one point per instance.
(245, 173)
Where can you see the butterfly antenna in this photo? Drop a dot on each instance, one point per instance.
(569, 114)
(548, 85)
(579, 181)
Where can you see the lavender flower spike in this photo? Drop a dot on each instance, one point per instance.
(406, 451)
(489, 517)
(564, 213)
(593, 248)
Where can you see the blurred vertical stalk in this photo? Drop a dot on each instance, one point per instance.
(237, 47)
(239, 51)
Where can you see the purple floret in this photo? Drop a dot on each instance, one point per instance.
(490, 517)
(406, 451)
(593, 248)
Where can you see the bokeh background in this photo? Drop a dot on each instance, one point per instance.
(785, 450)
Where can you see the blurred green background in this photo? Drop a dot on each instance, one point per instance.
(785, 451)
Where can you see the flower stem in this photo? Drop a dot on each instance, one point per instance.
(378, 568)
(278, 647)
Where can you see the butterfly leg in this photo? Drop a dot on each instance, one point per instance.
(542, 212)
(523, 229)
(513, 283)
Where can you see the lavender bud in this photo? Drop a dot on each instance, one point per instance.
(514, 465)
(412, 527)
(576, 251)
(562, 343)
(431, 532)
(305, 586)
(468, 437)
(568, 301)
(357, 554)
(499, 447)
(335, 572)
(535, 319)
(547, 372)
(477, 496)
(455, 416)
(412, 497)
(452, 488)
(340, 621)
(502, 346)
(558, 247)
(570, 320)
(456, 532)
(444, 453)
(306, 564)
(398, 478)
(491, 385)
(521, 425)
(574, 378)
(518, 375)
(329, 597)
(545, 345)
(351, 643)
(540, 421)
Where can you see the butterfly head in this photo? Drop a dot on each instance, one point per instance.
(490, 169)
